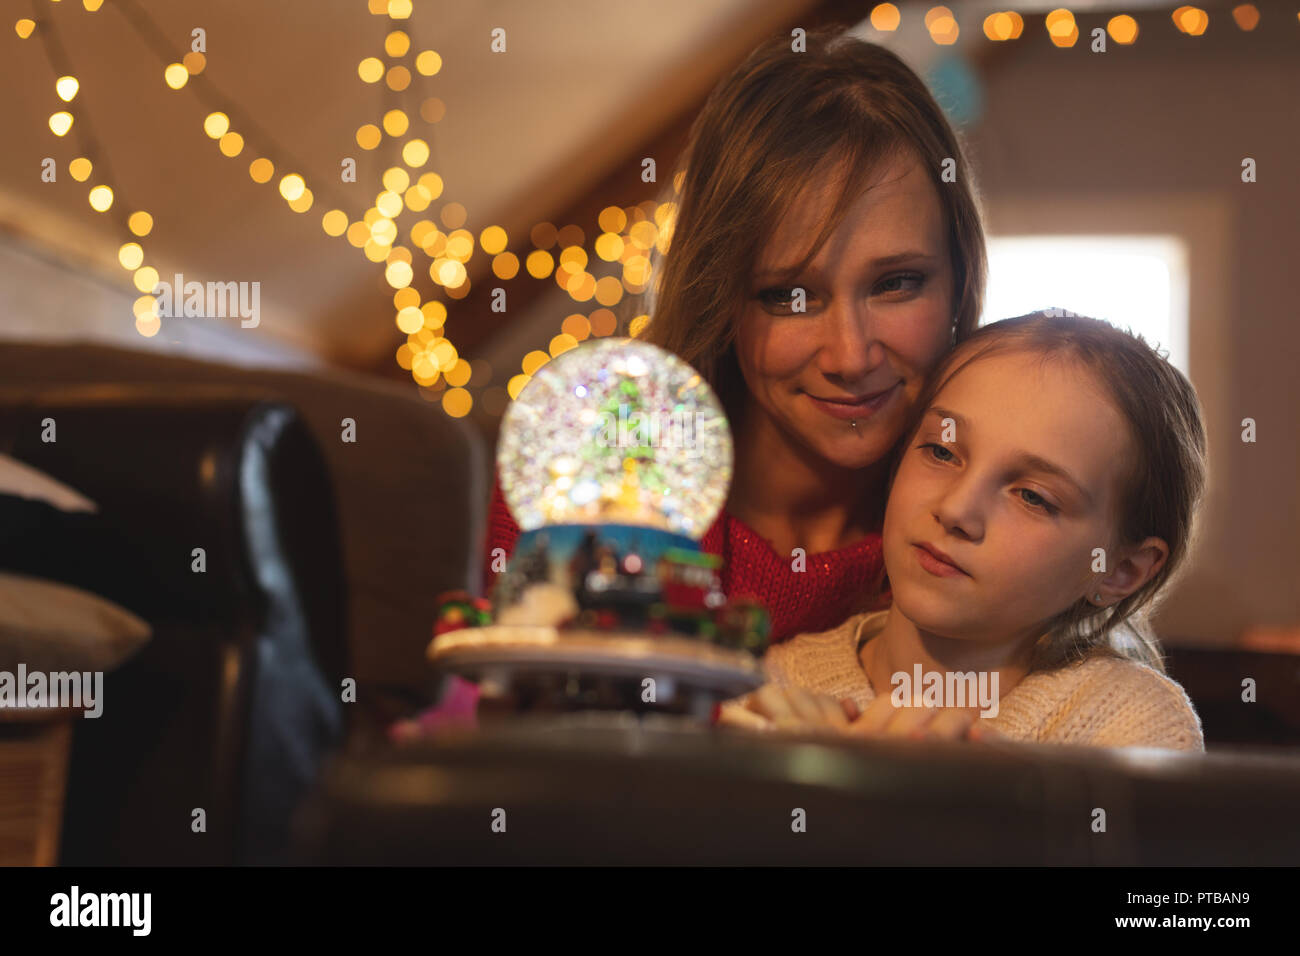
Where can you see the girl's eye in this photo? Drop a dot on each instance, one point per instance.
(1035, 500)
(938, 452)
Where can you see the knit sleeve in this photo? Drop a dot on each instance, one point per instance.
(1131, 705)
(502, 532)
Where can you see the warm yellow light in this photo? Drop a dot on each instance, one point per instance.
(533, 361)
(303, 202)
(261, 170)
(410, 319)
(397, 43)
(399, 9)
(885, 16)
(216, 125)
(335, 222)
(612, 219)
(449, 273)
(101, 199)
(577, 326)
(999, 26)
(371, 69)
(1123, 29)
(390, 204)
(637, 325)
(609, 246)
(399, 78)
(1191, 20)
(176, 76)
(433, 183)
(505, 266)
(562, 343)
(1247, 16)
(131, 255)
(80, 169)
(146, 279)
(516, 384)
(232, 144)
(415, 152)
(61, 122)
(358, 234)
(384, 232)
(435, 314)
(400, 254)
(460, 246)
(399, 274)
(609, 291)
(24, 28)
(194, 62)
(432, 110)
(66, 87)
(148, 325)
(417, 198)
(375, 252)
(140, 223)
(396, 179)
(492, 240)
(92, 5)
(459, 373)
(457, 402)
(603, 322)
(539, 263)
(292, 186)
(944, 30)
(396, 123)
(145, 305)
(428, 63)
(368, 136)
(1017, 24)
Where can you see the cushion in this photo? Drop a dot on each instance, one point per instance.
(53, 627)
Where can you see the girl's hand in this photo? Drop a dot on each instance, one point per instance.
(776, 707)
(883, 719)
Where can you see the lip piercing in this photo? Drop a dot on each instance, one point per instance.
(853, 423)
(1097, 597)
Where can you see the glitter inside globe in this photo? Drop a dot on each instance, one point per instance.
(616, 431)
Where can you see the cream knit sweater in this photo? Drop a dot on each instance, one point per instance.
(1101, 701)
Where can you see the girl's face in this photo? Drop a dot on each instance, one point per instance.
(1013, 475)
(879, 314)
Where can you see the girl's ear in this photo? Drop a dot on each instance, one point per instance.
(1135, 568)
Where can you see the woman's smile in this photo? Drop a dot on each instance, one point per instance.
(855, 407)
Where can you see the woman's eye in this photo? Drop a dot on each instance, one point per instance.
(899, 283)
(1036, 500)
(778, 298)
(938, 452)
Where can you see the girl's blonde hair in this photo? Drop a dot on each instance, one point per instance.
(1161, 487)
(752, 148)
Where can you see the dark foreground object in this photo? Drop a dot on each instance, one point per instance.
(606, 789)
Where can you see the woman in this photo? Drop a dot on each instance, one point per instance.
(837, 155)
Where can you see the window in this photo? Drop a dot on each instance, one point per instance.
(1133, 282)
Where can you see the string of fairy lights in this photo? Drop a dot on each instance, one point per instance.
(627, 236)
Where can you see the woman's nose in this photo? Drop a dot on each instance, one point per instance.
(849, 349)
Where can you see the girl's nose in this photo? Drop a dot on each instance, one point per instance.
(960, 509)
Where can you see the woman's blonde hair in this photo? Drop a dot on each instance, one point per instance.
(752, 148)
(1161, 487)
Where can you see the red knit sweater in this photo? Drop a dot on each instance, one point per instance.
(833, 585)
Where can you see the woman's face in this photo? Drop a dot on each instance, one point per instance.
(878, 315)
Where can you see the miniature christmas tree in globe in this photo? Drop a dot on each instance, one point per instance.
(616, 431)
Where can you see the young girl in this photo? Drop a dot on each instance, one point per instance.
(1042, 502)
